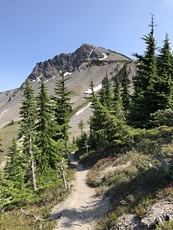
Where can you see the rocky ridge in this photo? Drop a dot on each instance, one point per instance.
(86, 63)
(72, 61)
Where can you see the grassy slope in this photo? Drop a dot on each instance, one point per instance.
(7, 134)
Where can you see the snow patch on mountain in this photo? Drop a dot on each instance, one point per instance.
(67, 73)
(39, 78)
(91, 52)
(4, 111)
(104, 57)
(81, 110)
(89, 91)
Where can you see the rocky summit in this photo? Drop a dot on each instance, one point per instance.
(72, 61)
(86, 63)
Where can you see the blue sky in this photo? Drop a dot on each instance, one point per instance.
(36, 30)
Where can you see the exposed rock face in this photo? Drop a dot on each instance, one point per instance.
(70, 62)
(86, 63)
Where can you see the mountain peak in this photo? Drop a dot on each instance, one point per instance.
(87, 62)
(71, 61)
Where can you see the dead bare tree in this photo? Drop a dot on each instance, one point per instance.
(62, 172)
(34, 181)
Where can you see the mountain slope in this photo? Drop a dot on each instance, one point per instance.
(71, 62)
(86, 63)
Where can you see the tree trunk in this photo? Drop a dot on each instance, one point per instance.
(34, 181)
(66, 147)
(63, 175)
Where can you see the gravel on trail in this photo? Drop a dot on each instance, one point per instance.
(82, 207)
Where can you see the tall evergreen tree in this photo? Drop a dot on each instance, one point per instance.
(27, 128)
(14, 167)
(145, 99)
(95, 123)
(48, 154)
(13, 189)
(63, 108)
(106, 126)
(165, 73)
(125, 88)
(117, 99)
(114, 130)
(81, 127)
(105, 94)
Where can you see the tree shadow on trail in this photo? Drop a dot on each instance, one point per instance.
(87, 213)
(90, 159)
(74, 162)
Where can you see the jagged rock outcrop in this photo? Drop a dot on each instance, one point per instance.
(86, 63)
(72, 61)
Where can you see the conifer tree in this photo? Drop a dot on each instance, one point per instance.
(27, 128)
(107, 127)
(117, 99)
(93, 121)
(145, 98)
(99, 134)
(63, 108)
(105, 94)
(102, 96)
(14, 182)
(14, 167)
(125, 88)
(82, 140)
(97, 124)
(165, 73)
(48, 155)
(114, 130)
(81, 127)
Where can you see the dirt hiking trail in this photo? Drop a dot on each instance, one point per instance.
(81, 208)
